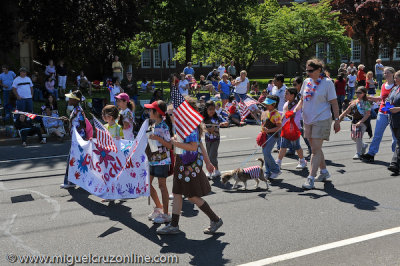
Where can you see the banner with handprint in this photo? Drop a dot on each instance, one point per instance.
(111, 175)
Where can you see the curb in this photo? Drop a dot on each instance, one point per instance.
(31, 141)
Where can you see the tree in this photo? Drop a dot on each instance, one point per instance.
(179, 20)
(373, 22)
(295, 31)
(81, 30)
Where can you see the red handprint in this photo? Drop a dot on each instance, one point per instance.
(72, 162)
(133, 174)
(77, 175)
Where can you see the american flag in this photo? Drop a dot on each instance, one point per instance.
(104, 138)
(186, 118)
(250, 101)
(31, 116)
(243, 110)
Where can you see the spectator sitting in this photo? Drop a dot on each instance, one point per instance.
(49, 84)
(54, 126)
(254, 88)
(270, 86)
(143, 85)
(221, 112)
(51, 102)
(151, 86)
(83, 83)
(263, 96)
(37, 89)
(50, 70)
(202, 104)
(213, 76)
(234, 116)
(205, 85)
(26, 128)
(157, 95)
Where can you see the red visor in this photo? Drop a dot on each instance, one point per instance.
(154, 105)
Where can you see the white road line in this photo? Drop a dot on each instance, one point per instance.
(308, 251)
(236, 139)
(33, 158)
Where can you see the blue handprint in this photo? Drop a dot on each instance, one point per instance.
(144, 173)
(119, 189)
(143, 158)
(90, 182)
(131, 189)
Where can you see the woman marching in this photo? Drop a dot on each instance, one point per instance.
(190, 180)
(394, 99)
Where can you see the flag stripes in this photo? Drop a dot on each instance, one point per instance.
(104, 138)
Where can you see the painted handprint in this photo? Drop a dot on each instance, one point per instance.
(112, 188)
(72, 162)
(96, 188)
(137, 164)
(143, 158)
(119, 189)
(131, 189)
(90, 182)
(144, 173)
(77, 175)
(133, 174)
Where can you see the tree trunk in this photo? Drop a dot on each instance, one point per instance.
(188, 45)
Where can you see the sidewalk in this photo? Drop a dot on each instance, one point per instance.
(32, 140)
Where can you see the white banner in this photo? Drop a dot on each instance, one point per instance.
(111, 175)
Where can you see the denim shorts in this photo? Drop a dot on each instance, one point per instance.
(159, 170)
(224, 96)
(285, 143)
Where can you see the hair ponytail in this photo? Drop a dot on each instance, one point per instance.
(168, 121)
(131, 105)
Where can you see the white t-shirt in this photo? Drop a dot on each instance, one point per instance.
(144, 86)
(182, 87)
(351, 80)
(318, 107)
(241, 88)
(23, 86)
(114, 91)
(221, 70)
(281, 94)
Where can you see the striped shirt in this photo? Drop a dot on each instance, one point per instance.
(253, 171)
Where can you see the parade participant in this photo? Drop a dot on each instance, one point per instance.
(76, 121)
(159, 159)
(271, 123)
(361, 111)
(110, 114)
(212, 123)
(126, 112)
(290, 104)
(318, 96)
(190, 180)
(382, 120)
(394, 99)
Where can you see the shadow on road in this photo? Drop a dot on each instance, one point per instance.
(360, 202)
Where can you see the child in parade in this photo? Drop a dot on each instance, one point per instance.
(126, 112)
(76, 121)
(190, 180)
(290, 104)
(361, 111)
(271, 123)
(159, 159)
(212, 123)
(110, 114)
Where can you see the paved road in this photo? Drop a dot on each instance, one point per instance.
(258, 224)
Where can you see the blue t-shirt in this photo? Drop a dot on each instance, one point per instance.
(190, 156)
(225, 87)
(188, 70)
(7, 79)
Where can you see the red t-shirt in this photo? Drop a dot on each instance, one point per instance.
(361, 75)
(385, 91)
(340, 87)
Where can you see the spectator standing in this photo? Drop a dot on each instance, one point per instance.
(351, 85)
(361, 75)
(242, 86)
(183, 85)
(61, 71)
(224, 88)
(221, 69)
(232, 69)
(49, 84)
(188, 69)
(117, 68)
(38, 89)
(50, 70)
(342, 70)
(351, 68)
(379, 72)
(340, 87)
(23, 89)
(279, 90)
(129, 85)
(370, 83)
(6, 80)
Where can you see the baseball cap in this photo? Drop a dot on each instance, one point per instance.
(123, 96)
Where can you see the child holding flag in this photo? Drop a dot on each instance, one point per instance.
(110, 114)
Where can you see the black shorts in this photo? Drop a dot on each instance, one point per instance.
(159, 170)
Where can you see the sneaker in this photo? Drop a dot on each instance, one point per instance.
(323, 177)
(302, 165)
(216, 173)
(162, 218)
(66, 186)
(24, 144)
(279, 163)
(274, 175)
(213, 227)
(368, 158)
(209, 176)
(364, 148)
(356, 156)
(43, 141)
(155, 213)
(168, 230)
(309, 184)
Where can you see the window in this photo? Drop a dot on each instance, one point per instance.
(396, 52)
(156, 58)
(320, 51)
(384, 53)
(355, 50)
(146, 58)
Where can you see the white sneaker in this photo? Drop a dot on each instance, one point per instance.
(323, 177)
(356, 156)
(162, 218)
(279, 163)
(274, 175)
(302, 165)
(43, 141)
(309, 184)
(346, 119)
(66, 186)
(364, 148)
(216, 173)
(155, 213)
(168, 230)
(209, 176)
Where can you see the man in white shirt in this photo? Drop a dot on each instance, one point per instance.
(279, 90)
(221, 69)
(23, 89)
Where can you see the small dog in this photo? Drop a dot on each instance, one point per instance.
(242, 175)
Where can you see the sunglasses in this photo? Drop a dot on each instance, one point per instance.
(359, 92)
(310, 70)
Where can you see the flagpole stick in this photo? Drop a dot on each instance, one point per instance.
(58, 118)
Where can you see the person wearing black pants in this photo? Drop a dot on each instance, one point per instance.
(26, 128)
(394, 120)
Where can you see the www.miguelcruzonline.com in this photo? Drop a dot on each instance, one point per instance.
(92, 259)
